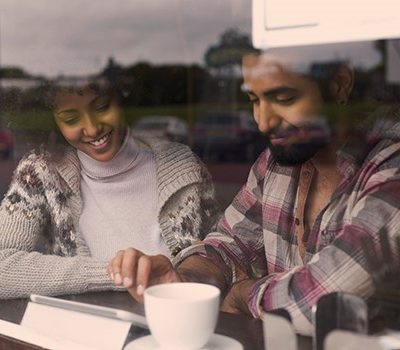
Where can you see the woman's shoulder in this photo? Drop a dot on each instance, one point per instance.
(176, 160)
(35, 157)
(32, 170)
(42, 161)
(39, 170)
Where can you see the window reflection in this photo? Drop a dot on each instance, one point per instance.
(179, 68)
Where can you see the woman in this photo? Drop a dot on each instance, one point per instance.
(72, 206)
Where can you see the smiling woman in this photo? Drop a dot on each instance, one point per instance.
(92, 191)
(90, 121)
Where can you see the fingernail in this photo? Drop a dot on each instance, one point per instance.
(139, 289)
(112, 276)
(127, 282)
(117, 278)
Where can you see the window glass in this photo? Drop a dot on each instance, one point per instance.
(169, 58)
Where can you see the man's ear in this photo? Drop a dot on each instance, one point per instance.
(342, 84)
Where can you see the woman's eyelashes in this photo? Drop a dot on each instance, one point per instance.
(101, 108)
(68, 118)
(100, 104)
(74, 117)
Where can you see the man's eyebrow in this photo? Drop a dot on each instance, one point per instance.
(249, 92)
(271, 92)
(278, 90)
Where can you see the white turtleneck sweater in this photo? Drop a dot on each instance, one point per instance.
(120, 202)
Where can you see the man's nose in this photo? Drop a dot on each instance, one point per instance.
(267, 117)
(92, 127)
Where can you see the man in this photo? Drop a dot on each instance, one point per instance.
(294, 232)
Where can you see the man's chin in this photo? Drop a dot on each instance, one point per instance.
(295, 154)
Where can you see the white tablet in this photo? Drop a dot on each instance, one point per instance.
(131, 317)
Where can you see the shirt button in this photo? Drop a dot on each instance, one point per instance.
(297, 221)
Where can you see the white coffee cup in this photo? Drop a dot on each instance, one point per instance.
(182, 315)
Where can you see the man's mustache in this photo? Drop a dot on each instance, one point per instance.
(305, 133)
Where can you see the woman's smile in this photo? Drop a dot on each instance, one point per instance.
(101, 142)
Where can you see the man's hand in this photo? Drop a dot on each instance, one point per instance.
(136, 271)
(236, 301)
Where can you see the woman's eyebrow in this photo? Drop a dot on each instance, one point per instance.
(65, 111)
(97, 97)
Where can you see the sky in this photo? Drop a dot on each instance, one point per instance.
(54, 37)
(76, 37)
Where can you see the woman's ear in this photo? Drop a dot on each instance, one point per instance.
(342, 84)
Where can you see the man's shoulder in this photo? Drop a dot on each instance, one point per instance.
(385, 155)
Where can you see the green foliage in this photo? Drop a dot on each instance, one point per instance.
(13, 72)
(42, 119)
(189, 113)
(230, 49)
(30, 120)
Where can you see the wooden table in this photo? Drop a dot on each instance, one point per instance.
(245, 329)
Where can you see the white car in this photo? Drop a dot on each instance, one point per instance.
(164, 127)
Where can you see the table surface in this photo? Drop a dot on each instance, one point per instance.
(246, 330)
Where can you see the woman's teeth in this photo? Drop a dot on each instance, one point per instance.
(100, 141)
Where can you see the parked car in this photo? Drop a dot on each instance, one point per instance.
(164, 127)
(6, 142)
(227, 135)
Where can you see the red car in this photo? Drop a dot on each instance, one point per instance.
(6, 142)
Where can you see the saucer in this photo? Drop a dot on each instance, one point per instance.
(216, 342)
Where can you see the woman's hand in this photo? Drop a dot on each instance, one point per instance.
(236, 301)
(136, 271)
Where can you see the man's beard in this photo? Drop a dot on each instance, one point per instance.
(295, 145)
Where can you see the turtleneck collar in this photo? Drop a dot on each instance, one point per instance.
(120, 163)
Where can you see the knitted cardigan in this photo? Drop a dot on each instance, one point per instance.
(42, 209)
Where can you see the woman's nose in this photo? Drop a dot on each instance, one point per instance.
(267, 118)
(91, 128)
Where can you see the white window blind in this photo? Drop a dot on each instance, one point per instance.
(279, 23)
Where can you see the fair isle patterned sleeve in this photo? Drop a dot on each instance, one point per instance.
(32, 207)
(189, 209)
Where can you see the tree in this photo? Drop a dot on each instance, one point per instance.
(224, 62)
(230, 49)
(13, 72)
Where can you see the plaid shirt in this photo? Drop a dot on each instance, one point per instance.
(257, 232)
